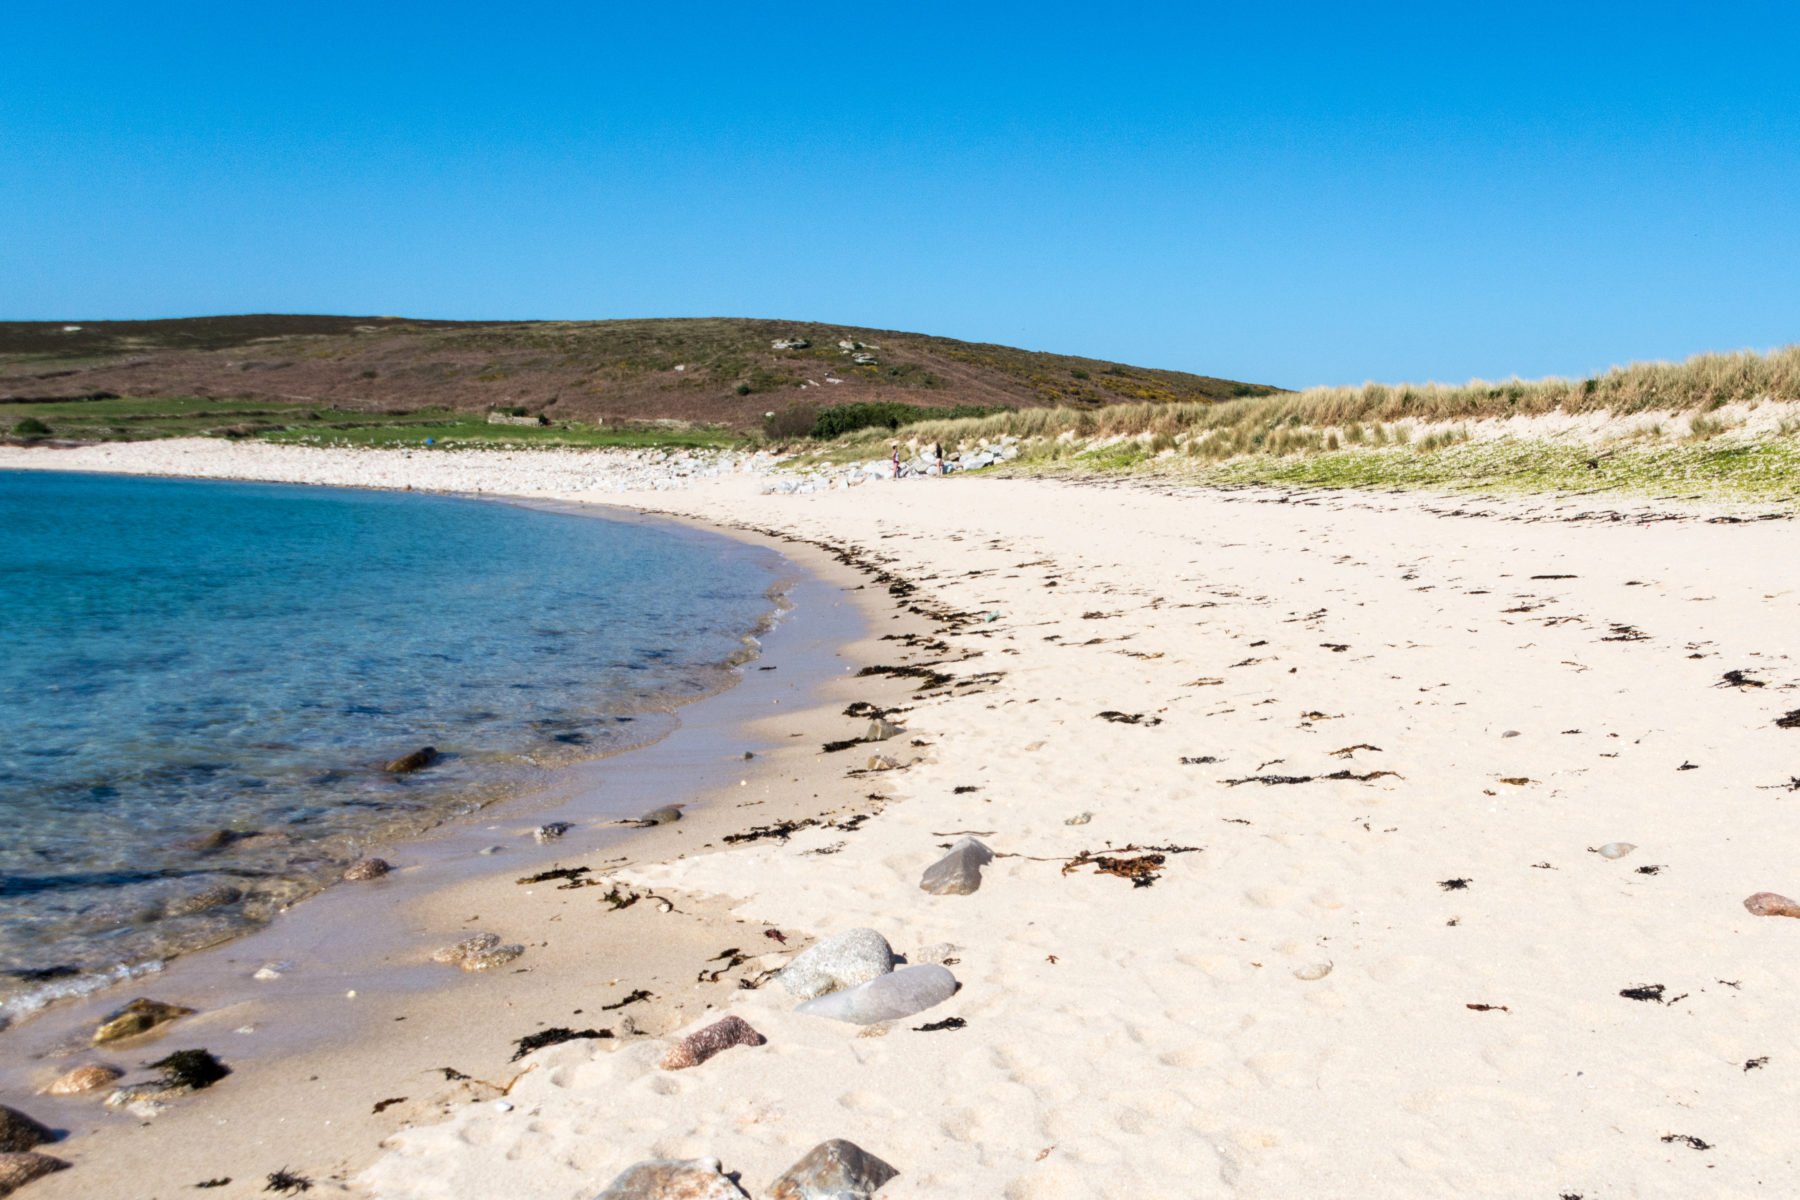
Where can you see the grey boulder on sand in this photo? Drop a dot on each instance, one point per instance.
(959, 872)
(673, 1179)
(900, 994)
(17, 1170)
(19, 1132)
(834, 1170)
(881, 729)
(852, 957)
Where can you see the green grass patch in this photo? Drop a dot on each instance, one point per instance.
(128, 419)
(1766, 470)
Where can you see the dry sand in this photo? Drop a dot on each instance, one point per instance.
(1402, 985)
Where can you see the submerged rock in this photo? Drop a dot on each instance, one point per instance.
(852, 957)
(673, 1179)
(899, 994)
(140, 1016)
(834, 1170)
(959, 872)
(367, 868)
(668, 814)
(418, 760)
(217, 896)
(17, 1170)
(1769, 904)
(88, 1078)
(702, 1044)
(19, 1132)
(479, 952)
(551, 832)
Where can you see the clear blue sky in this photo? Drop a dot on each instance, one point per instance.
(1290, 193)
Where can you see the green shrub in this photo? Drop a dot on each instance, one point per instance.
(31, 427)
(848, 418)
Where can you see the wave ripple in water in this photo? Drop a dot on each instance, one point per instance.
(201, 681)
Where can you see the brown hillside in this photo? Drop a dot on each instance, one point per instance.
(711, 371)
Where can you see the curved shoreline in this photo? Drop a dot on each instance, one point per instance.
(499, 782)
(797, 658)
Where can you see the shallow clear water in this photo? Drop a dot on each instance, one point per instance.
(200, 682)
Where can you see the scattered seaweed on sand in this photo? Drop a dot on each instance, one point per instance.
(1626, 633)
(782, 830)
(928, 679)
(1350, 751)
(1198, 760)
(1119, 718)
(636, 997)
(1487, 1008)
(1756, 1064)
(845, 744)
(1556, 577)
(1688, 1140)
(555, 1036)
(1790, 721)
(732, 958)
(382, 1106)
(963, 789)
(1455, 885)
(190, 1070)
(776, 935)
(452, 1075)
(286, 1183)
(1516, 780)
(935, 1026)
(1142, 869)
(572, 877)
(221, 1181)
(1274, 780)
(862, 709)
(1651, 992)
(1739, 679)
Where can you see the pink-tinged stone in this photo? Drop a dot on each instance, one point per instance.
(17, 1170)
(1768, 904)
(702, 1044)
(89, 1078)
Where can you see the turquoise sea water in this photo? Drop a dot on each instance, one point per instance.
(200, 682)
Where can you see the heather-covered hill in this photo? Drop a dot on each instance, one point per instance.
(703, 371)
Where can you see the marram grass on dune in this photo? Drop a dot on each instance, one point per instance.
(1716, 425)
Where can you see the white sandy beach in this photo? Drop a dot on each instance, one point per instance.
(1401, 985)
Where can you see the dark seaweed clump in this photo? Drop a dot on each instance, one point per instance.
(553, 1037)
(190, 1069)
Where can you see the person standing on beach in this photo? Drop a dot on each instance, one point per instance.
(894, 444)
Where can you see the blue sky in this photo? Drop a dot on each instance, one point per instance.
(1287, 193)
